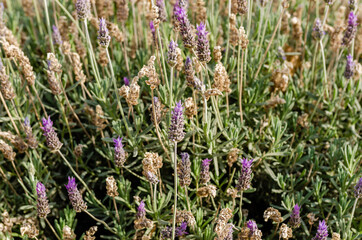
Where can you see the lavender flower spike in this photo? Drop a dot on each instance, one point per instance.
(83, 9)
(322, 232)
(74, 195)
(245, 177)
(176, 132)
(172, 54)
(205, 171)
(42, 201)
(181, 230)
(103, 33)
(57, 38)
(120, 154)
(350, 66)
(141, 212)
(351, 30)
(51, 136)
(184, 170)
(358, 189)
(153, 31)
(203, 48)
(318, 32)
(186, 31)
(252, 226)
(295, 220)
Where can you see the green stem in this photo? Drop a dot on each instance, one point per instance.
(48, 25)
(171, 86)
(240, 209)
(324, 69)
(187, 199)
(51, 227)
(91, 54)
(352, 214)
(100, 221)
(175, 190)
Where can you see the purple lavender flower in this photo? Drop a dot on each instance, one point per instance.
(281, 54)
(153, 31)
(176, 132)
(252, 226)
(358, 189)
(205, 171)
(74, 196)
(295, 220)
(349, 71)
(318, 32)
(120, 154)
(172, 54)
(141, 212)
(322, 232)
(351, 30)
(83, 9)
(184, 24)
(42, 201)
(184, 170)
(57, 38)
(181, 230)
(203, 48)
(126, 81)
(103, 33)
(51, 136)
(161, 10)
(245, 177)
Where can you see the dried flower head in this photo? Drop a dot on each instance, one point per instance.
(111, 185)
(280, 80)
(190, 107)
(89, 235)
(32, 142)
(285, 232)
(322, 232)
(185, 216)
(221, 79)
(311, 218)
(149, 71)
(273, 214)
(273, 102)
(15, 140)
(7, 151)
(217, 54)
(51, 136)
(245, 176)
(350, 66)
(6, 88)
(83, 9)
(207, 191)
(74, 196)
(42, 201)
(184, 170)
(120, 155)
(336, 236)
(151, 163)
(68, 233)
(103, 33)
(358, 189)
(54, 84)
(205, 171)
(232, 156)
(176, 132)
(295, 219)
(29, 228)
(57, 38)
(212, 92)
(172, 54)
(351, 30)
(221, 223)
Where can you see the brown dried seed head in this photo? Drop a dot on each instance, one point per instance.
(274, 102)
(207, 191)
(311, 218)
(285, 232)
(280, 79)
(102, 58)
(201, 11)
(217, 53)
(111, 185)
(185, 216)
(68, 233)
(89, 235)
(232, 156)
(273, 214)
(6, 88)
(29, 228)
(7, 150)
(122, 10)
(212, 92)
(190, 107)
(303, 120)
(336, 236)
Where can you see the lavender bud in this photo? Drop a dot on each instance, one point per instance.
(42, 201)
(351, 30)
(120, 154)
(161, 10)
(57, 38)
(358, 189)
(74, 195)
(350, 66)
(205, 171)
(83, 9)
(51, 136)
(176, 132)
(252, 226)
(318, 32)
(181, 230)
(103, 33)
(141, 212)
(203, 48)
(245, 177)
(186, 31)
(172, 54)
(184, 170)
(295, 220)
(126, 81)
(322, 232)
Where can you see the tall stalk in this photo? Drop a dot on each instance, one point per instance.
(48, 25)
(175, 190)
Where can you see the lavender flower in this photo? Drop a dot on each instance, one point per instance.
(184, 170)
(74, 195)
(351, 30)
(176, 132)
(120, 154)
(252, 226)
(141, 212)
(83, 9)
(322, 232)
(203, 48)
(205, 171)
(358, 189)
(126, 81)
(350, 66)
(295, 220)
(57, 38)
(153, 31)
(245, 177)
(318, 32)
(42, 201)
(161, 10)
(103, 33)
(281, 54)
(172, 54)
(184, 24)
(166, 232)
(181, 230)
(51, 136)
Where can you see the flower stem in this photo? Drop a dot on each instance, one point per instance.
(91, 53)
(115, 208)
(100, 221)
(48, 25)
(240, 209)
(51, 227)
(352, 214)
(175, 190)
